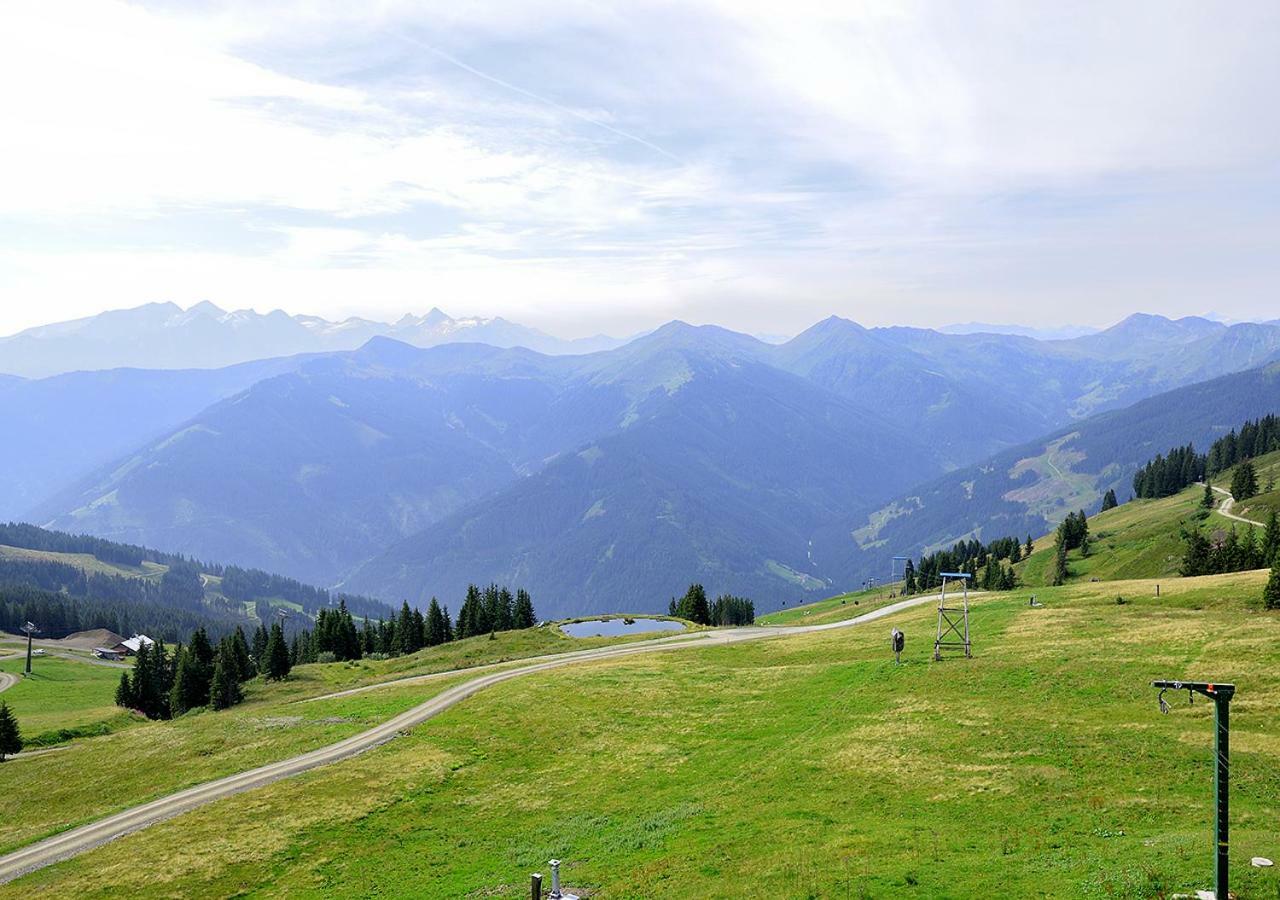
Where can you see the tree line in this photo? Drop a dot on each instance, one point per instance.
(725, 610)
(336, 637)
(989, 564)
(1230, 551)
(1254, 438)
(1165, 476)
(163, 684)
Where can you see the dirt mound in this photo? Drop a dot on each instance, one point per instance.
(87, 640)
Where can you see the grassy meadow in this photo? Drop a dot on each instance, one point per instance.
(798, 766)
(63, 697)
(85, 781)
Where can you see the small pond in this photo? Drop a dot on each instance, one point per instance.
(616, 626)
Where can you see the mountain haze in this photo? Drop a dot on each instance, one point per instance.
(165, 336)
(601, 477)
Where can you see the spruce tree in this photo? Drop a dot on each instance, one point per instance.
(201, 651)
(435, 624)
(240, 652)
(1271, 593)
(1109, 500)
(10, 734)
(1029, 548)
(187, 684)
(524, 615)
(277, 654)
(1271, 540)
(1207, 500)
(694, 606)
(1060, 571)
(224, 690)
(909, 585)
(124, 693)
(259, 652)
(1244, 483)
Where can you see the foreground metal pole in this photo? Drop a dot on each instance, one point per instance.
(535, 886)
(1221, 695)
(1221, 788)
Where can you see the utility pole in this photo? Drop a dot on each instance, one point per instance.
(30, 628)
(1221, 695)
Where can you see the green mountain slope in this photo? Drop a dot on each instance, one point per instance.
(1029, 489)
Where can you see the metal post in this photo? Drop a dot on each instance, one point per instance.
(1221, 789)
(535, 886)
(555, 880)
(1221, 695)
(30, 628)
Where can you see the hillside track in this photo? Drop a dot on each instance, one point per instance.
(1224, 509)
(86, 837)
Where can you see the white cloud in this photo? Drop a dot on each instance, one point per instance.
(888, 160)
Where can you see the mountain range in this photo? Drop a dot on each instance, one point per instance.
(165, 336)
(611, 479)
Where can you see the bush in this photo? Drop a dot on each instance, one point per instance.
(326, 656)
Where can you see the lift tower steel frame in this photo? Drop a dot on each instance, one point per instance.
(953, 621)
(1221, 695)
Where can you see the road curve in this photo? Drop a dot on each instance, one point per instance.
(1225, 509)
(86, 837)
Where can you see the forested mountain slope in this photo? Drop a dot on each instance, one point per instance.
(1029, 489)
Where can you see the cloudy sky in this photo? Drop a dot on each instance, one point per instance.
(605, 167)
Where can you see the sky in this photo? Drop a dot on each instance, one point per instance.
(604, 167)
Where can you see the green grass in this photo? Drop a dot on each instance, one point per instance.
(62, 697)
(86, 781)
(834, 609)
(803, 766)
(1138, 539)
(87, 562)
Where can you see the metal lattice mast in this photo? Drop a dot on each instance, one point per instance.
(953, 621)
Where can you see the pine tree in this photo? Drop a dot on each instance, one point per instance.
(240, 651)
(448, 625)
(277, 654)
(524, 615)
(1207, 501)
(1244, 483)
(909, 585)
(224, 689)
(1271, 593)
(124, 693)
(1196, 557)
(187, 683)
(10, 734)
(259, 652)
(1060, 571)
(435, 625)
(1029, 548)
(202, 651)
(1271, 540)
(1109, 500)
(694, 605)
(404, 630)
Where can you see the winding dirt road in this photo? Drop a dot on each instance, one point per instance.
(1225, 509)
(86, 837)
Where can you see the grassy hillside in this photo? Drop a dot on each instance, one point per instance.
(84, 781)
(834, 609)
(63, 697)
(1143, 538)
(805, 766)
